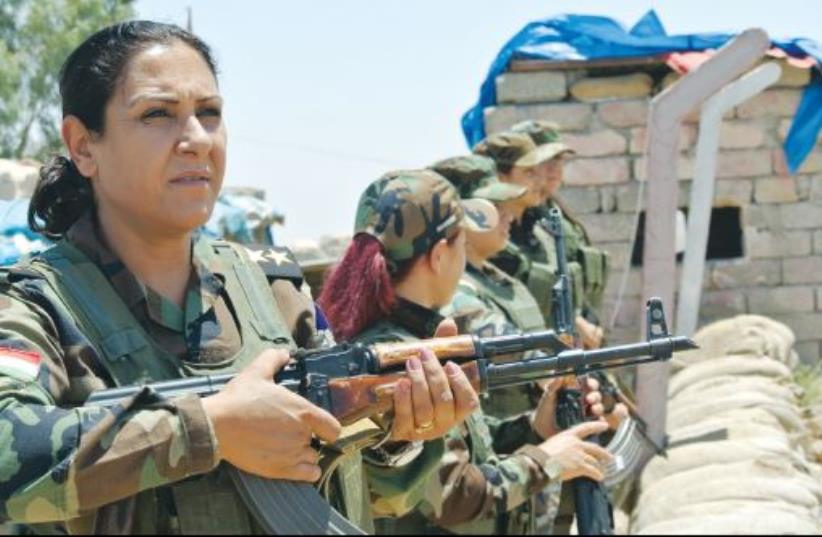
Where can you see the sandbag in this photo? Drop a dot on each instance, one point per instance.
(687, 457)
(738, 366)
(725, 385)
(741, 455)
(752, 335)
(767, 479)
(787, 414)
(726, 506)
(737, 423)
(622, 522)
(753, 521)
(764, 469)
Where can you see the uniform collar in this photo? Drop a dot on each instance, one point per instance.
(522, 231)
(487, 272)
(422, 322)
(205, 283)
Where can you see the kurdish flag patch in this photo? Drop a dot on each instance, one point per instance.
(19, 364)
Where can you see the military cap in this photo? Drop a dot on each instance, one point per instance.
(409, 211)
(544, 134)
(514, 149)
(475, 176)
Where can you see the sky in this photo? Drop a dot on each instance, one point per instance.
(324, 96)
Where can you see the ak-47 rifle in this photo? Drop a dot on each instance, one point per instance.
(357, 381)
(631, 440)
(592, 503)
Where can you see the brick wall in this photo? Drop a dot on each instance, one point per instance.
(603, 116)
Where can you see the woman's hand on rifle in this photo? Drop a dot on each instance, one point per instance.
(544, 417)
(590, 334)
(433, 398)
(576, 457)
(616, 416)
(265, 429)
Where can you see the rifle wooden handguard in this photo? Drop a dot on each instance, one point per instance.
(392, 355)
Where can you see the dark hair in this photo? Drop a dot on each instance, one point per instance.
(88, 79)
(571, 217)
(504, 166)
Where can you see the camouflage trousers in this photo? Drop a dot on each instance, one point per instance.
(546, 507)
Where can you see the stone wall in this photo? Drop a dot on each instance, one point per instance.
(603, 114)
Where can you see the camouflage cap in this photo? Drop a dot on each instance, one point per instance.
(475, 176)
(543, 133)
(409, 211)
(513, 149)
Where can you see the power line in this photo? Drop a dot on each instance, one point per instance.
(321, 151)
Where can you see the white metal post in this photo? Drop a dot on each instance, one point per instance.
(664, 118)
(702, 188)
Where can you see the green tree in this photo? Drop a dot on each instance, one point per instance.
(36, 36)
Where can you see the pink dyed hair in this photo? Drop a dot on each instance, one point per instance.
(359, 291)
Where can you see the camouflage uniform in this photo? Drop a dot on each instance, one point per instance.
(592, 264)
(529, 256)
(588, 266)
(490, 302)
(474, 489)
(148, 465)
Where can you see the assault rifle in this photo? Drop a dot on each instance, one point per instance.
(357, 381)
(592, 504)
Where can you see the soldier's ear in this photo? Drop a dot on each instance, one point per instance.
(436, 256)
(77, 139)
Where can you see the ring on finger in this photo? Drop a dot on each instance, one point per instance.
(425, 427)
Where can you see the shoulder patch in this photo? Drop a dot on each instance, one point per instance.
(277, 262)
(21, 365)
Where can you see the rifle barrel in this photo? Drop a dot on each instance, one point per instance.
(201, 386)
(580, 361)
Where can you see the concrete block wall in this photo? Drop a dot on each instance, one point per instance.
(604, 118)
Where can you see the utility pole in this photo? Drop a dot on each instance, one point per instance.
(189, 23)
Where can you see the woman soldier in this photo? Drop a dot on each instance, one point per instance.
(490, 302)
(530, 256)
(404, 264)
(592, 261)
(130, 295)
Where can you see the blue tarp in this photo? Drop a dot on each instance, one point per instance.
(586, 37)
(16, 239)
